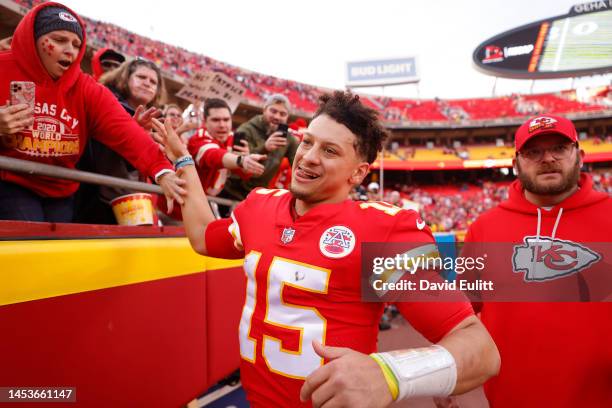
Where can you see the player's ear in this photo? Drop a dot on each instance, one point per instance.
(359, 173)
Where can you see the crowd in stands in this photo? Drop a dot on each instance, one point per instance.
(183, 63)
(448, 210)
(455, 207)
(452, 208)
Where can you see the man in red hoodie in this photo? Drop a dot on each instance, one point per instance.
(70, 107)
(553, 354)
(105, 60)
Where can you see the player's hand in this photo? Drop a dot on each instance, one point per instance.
(5, 43)
(15, 118)
(144, 117)
(173, 145)
(350, 379)
(274, 141)
(243, 147)
(251, 164)
(446, 402)
(172, 185)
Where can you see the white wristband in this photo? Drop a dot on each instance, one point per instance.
(422, 372)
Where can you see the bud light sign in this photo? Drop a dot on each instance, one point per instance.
(382, 72)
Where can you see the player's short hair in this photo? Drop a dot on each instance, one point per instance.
(215, 103)
(346, 109)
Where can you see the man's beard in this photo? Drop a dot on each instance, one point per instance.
(566, 184)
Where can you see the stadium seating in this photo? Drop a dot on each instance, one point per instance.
(183, 63)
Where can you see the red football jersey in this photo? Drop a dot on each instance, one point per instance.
(208, 153)
(304, 284)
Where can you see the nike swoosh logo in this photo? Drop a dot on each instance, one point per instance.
(420, 224)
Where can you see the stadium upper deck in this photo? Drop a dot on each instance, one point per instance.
(179, 64)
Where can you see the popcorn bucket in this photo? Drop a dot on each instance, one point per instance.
(134, 209)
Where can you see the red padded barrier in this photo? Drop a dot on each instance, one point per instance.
(135, 345)
(225, 291)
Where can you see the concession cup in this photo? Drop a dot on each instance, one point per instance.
(134, 209)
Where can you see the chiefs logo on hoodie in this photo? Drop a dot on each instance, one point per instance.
(544, 258)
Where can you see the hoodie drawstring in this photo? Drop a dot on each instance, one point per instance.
(539, 228)
(557, 222)
(539, 224)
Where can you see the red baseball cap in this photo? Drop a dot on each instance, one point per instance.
(544, 125)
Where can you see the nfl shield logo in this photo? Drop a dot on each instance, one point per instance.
(288, 234)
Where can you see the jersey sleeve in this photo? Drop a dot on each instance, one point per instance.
(432, 319)
(435, 319)
(221, 240)
(206, 153)
(409, 227)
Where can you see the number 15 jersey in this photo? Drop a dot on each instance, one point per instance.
(304, 284)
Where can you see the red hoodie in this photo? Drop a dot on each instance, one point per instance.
(68, 111)
(552, 354)
(96, 65)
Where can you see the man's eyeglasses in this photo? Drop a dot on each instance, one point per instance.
(559, 152)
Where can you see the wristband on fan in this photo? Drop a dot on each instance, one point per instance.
(421, 372)
(183, 161)
(239, 161)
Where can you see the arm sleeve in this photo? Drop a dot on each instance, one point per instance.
(112, 126)
(207, 154)
(432, 319)
(220, 243)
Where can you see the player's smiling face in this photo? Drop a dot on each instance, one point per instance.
(326, 164)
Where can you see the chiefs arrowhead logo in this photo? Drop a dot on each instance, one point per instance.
(543, 122)
(337, 242)
(546, 258)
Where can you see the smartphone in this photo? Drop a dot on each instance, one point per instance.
(23, 92)
(283, 128)
(238, 138)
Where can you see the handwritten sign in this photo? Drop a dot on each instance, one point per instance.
(204, 85)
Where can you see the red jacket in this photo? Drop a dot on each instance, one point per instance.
(68, 112)
(96, 66)
(552, 354)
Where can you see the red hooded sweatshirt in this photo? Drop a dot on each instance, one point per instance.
(96, 65)
(552, 354)
(67, 112)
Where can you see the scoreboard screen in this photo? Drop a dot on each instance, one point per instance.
(566, 46)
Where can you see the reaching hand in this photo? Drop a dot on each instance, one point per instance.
(173, 145)
(15, 118)
(144, 117)
(171, 184)
(350, 379)
(251, 165)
